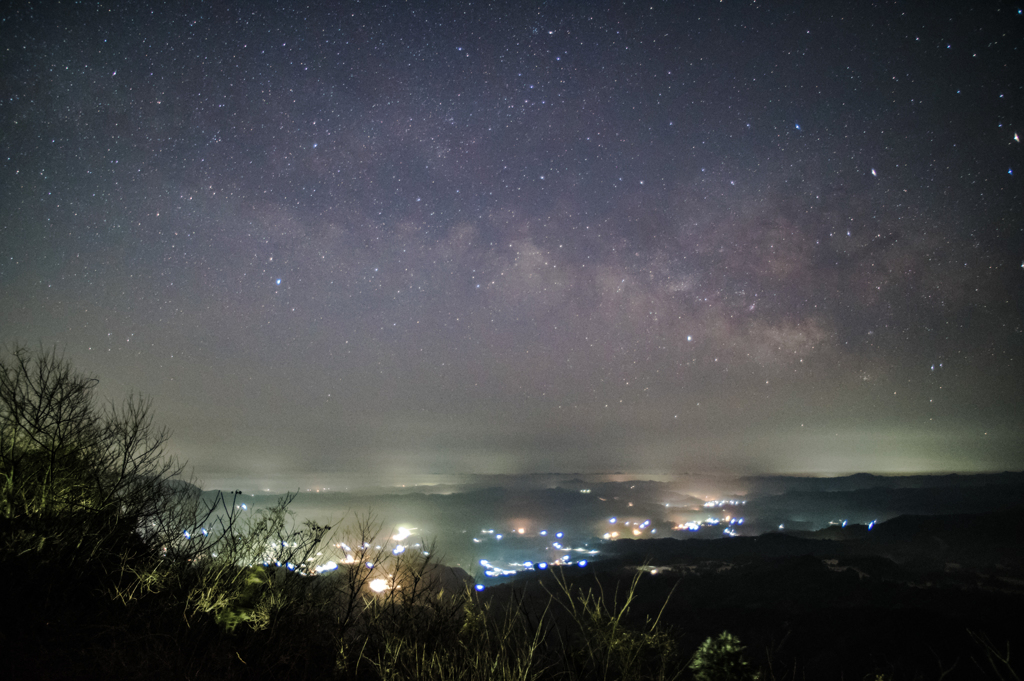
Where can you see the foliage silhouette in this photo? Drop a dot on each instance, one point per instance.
(720, 658)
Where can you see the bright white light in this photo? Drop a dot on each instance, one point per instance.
(402, 533)
(379, 585)
(398, 549)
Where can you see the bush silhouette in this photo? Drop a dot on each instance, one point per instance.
(720, 658)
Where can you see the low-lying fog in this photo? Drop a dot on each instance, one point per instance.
(492, 524)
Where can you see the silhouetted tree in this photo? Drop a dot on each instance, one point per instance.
(80, 482)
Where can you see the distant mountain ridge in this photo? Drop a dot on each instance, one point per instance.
(778, 484)
(991, 542)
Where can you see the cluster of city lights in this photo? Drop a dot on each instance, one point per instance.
(565, 555)
(719, 503)
(695, 525)
(636, 530)
(729, 521)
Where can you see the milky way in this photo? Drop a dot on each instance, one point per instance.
(736, 236)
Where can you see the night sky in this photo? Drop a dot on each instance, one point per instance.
(411, 237)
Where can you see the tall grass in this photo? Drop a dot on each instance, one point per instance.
(561, 632)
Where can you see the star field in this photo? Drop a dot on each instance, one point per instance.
(729, 236)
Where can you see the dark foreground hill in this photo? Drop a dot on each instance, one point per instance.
(990, 544)
(915, 597)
